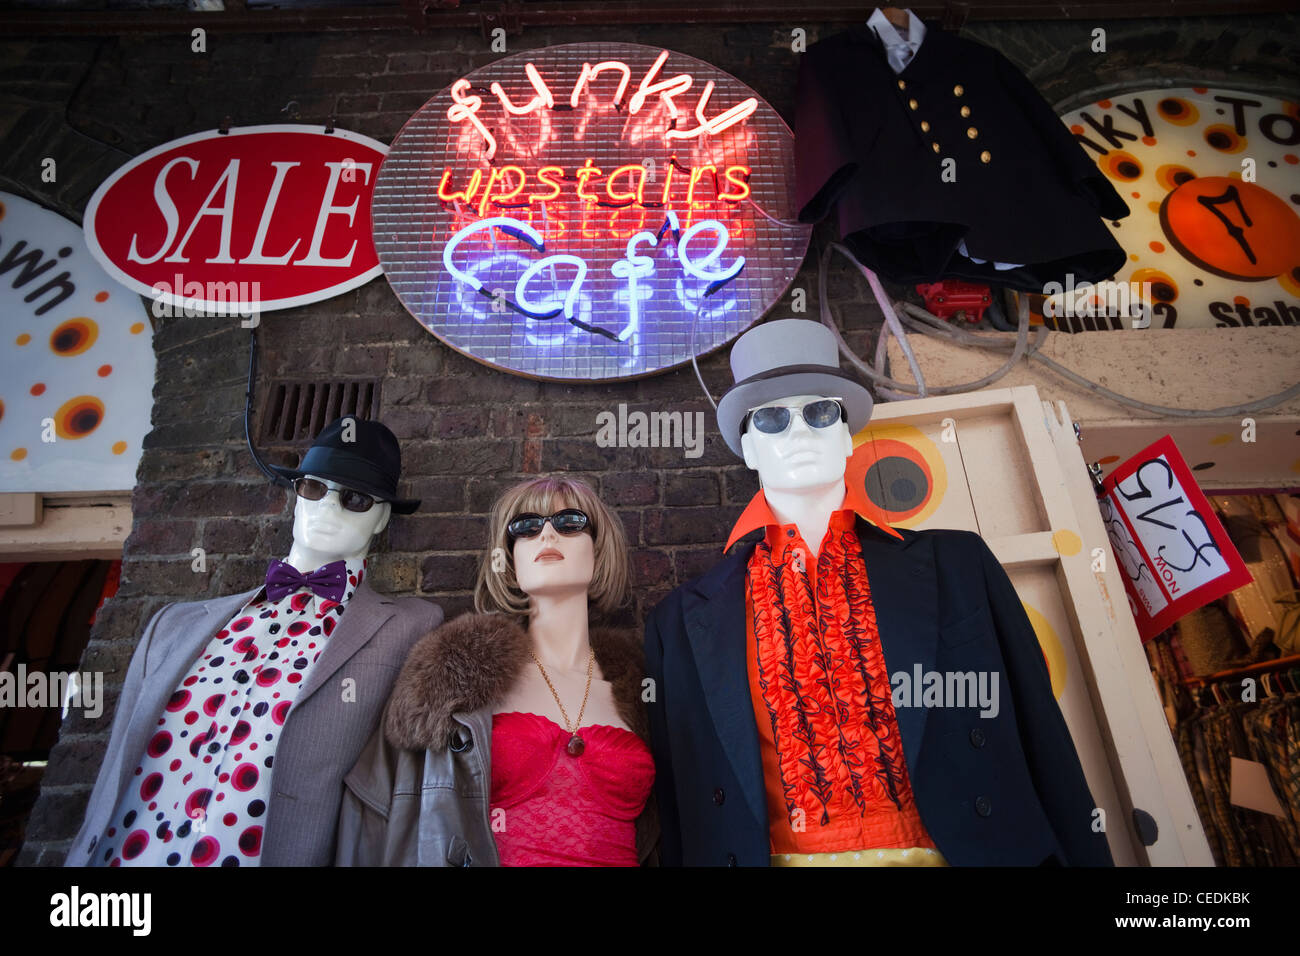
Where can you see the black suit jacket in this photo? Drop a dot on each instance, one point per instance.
(861, 148)
(1004, 790)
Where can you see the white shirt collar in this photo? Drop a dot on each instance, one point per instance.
(898, 51)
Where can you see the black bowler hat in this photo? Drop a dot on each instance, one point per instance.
(371, 462)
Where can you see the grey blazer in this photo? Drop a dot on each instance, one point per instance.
(323, 734)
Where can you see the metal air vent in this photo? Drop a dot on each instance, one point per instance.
(297, 411)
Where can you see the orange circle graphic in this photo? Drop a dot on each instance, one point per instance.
(1163, 287)
(74, 336)
(1224, 138)
(1123, 166)
(78, 417)
(1235, 229)
(1172, 175)
(1176, 110)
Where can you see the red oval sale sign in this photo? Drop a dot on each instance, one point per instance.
(258, 218)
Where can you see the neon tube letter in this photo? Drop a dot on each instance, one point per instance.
(589, 73)
(541, 97)
(540, 310)
(511, 227)
(467, 108)
(631, 268)
(731, 117)
(666, 89)
(699, 268)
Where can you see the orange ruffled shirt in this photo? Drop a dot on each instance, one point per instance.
(833, 766)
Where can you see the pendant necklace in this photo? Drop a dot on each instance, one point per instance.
(576, 744)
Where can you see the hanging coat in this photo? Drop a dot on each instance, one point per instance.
(958, 146)
(992, 790)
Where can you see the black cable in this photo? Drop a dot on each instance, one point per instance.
(275, 477)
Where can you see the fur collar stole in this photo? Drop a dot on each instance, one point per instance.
(472, 662)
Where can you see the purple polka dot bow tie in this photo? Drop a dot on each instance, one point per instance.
(328, 581)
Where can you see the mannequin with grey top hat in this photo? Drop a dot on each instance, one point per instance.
(779, 731)
(284, 682)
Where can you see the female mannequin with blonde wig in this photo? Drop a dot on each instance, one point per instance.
(516, 735)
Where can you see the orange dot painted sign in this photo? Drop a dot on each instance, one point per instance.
(589, 212)
(76, 363)
(1213, 179)
(255, 219)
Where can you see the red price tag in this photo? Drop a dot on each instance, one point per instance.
(1173, 552)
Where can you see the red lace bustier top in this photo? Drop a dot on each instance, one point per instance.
(561, 810)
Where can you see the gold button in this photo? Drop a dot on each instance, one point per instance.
(925, 127)
(958, 90)
(985, 156)
(935, 146)
(902, 85)
(965, 111)
(912, 103)
(972, 132)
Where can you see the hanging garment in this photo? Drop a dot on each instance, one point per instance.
(1186, 753)
(1265, 729)
(1289, 772)
(1205, 747)
(958, 151)
(1268, 843)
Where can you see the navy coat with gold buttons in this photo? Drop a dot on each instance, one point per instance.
(958, 146)
(1006, 790)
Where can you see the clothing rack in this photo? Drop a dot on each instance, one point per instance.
(1289, 664)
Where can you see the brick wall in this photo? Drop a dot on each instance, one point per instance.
(467, 431)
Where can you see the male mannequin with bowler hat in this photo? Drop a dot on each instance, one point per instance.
(778, 731)
(240, 715)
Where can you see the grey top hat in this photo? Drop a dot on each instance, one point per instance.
(783, 358)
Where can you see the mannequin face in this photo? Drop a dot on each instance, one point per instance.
(800, 457)
(553, 564)
(328, 531)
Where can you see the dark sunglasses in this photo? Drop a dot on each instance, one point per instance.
(569, 521)
(774, 419)
(313, 489)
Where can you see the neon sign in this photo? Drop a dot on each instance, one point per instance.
(632, 267)
(468, 106)
(589, 212)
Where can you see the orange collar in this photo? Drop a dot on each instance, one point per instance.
(758, 514)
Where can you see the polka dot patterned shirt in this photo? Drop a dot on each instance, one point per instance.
(200, 790)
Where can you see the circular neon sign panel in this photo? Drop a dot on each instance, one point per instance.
(589, 212)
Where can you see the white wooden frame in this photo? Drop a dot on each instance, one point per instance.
(1139, 747)
(70, 527)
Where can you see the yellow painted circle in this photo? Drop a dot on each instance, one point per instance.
(18, 454)
(1221, 440)
(1052, 650)
(1066, 542)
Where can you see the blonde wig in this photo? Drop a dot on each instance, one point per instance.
(498, 589)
